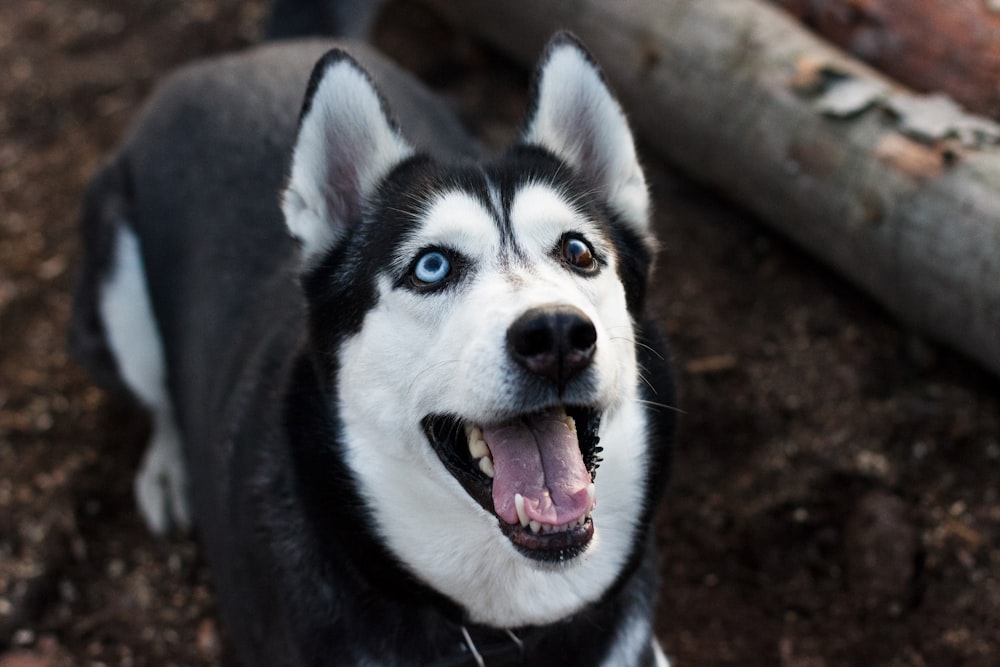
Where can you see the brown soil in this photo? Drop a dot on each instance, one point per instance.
(835, 498)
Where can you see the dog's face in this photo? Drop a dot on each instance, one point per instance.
(477, 325)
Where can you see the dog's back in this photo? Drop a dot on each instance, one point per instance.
(215, 143)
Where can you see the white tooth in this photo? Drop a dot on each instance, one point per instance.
(486, 465)
(535, 526)
(570, 423)
(519, 506)
(582, 520)
(477, 446)
(591, 496)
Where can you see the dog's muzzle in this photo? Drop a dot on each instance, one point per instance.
(534, 470)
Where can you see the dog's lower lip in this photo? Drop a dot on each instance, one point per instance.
(552, 547)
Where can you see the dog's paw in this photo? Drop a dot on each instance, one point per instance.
(161, 483)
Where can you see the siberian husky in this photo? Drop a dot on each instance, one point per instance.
(405, 394)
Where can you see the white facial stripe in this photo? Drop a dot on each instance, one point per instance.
(495, 200)
(540, 215)
(459, 221)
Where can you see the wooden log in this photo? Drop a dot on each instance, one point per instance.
(898, 192)
(951, 46)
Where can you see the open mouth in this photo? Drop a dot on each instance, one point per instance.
(535, 472)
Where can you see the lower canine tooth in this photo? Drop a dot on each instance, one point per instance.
(591, 496)
(522, 516)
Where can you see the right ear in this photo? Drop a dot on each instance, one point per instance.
(346, 143)
(577, 117)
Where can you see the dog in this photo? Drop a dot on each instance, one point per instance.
(405, 392)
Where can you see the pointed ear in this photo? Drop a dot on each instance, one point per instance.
(346, 143)
(575, 115)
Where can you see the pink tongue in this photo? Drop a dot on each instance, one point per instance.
(538, 457)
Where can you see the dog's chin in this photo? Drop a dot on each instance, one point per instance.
(464, 449)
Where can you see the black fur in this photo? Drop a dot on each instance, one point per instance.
(302, 579)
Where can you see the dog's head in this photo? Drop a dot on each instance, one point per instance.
(477, 326)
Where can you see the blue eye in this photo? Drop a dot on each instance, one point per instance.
(432, 267)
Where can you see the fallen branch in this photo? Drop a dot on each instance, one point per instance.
(900, 193)
(949, 46)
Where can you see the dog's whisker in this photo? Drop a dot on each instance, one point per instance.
(665, 406)
(646, 382)
(429, 369)
(650, 349)
(637, 343)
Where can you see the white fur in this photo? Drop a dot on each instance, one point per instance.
(134, 339)
(161, 483)
(543, 216)
(445, 352)
(344, 146)
(578, 119)
(456, 221)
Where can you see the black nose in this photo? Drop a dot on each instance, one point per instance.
(554, 342)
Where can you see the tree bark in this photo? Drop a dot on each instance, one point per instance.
(897, 192)
(952, 46)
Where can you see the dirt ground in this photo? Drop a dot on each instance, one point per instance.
(835, 500)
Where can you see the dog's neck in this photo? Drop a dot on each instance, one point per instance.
(485, 647)
(332, 508)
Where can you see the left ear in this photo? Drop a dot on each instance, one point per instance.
(576, 116)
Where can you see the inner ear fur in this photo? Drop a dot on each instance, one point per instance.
(575, 115)
(346, 143)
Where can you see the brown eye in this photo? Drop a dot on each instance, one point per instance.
(578, 254)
